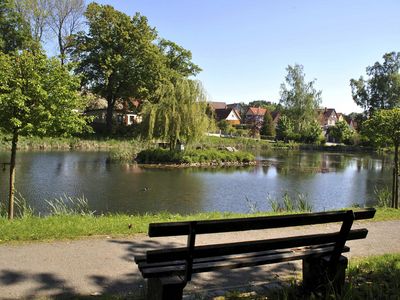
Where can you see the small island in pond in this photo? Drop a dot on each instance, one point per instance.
(195, 158)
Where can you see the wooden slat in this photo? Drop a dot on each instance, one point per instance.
(207, 266)
(254, 223)
(250, 246)
(142, 262)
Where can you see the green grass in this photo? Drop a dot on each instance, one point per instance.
(62, 227)
(375, 277)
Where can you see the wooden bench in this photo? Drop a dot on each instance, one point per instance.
(169, 269)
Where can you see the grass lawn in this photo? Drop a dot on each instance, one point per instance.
(375, 277)
(75, 226)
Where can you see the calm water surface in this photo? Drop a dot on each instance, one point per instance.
(329, 180)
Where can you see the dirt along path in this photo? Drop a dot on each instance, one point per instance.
(105, 265)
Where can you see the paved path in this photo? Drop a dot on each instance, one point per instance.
(105, 265)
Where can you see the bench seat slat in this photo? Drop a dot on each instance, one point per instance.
(254, 223)
(252, 246)
(142, 262)
(246, 261)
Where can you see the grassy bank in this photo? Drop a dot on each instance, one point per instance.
(74, 226)
(375, 277)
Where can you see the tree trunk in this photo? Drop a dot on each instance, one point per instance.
(12, 175)
(109, 117)
(396, 174)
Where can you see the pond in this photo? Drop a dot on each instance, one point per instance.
(326, 180)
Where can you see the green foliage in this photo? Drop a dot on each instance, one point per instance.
(38, 97)
(268, 127)
(66, 205)
(156, 156)
(312, 133)
(341, 132)
(382, 88)
(225, 127)
(117, 57)
(383, 196)
(14, 31)
(178, 58)
(299, 98)
(178, 115)
(383, 128)
(290, 204)
(284, 129)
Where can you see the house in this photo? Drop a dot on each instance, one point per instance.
(327, 117)
(255, 115)
(120, 116)
(217, 105)
(230, 115)
(276, 115)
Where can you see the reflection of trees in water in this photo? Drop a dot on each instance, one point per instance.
(309, 163)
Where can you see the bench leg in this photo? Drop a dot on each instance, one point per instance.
(165, 288)
(317, 276)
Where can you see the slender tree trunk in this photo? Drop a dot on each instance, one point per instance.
(396, 173)
(393, 186)
(12, 175)
(109, 117)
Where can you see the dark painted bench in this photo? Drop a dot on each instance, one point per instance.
(169, 269)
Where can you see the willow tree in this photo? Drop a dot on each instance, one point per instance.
(179, 114)
(38, 97)
(384, 129)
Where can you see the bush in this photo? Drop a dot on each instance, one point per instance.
(192, 156)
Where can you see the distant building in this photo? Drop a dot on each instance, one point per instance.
(255, 115)
(217, 105)
(230, 115)
(327, 117)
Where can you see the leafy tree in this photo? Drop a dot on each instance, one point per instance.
(117, 57)
(299, 98)
(178, 58)
(14, 31)
(312, 133)
(179, 114)
(284, 128)
(341, 132)
(225, 126)
(37, 97)
(384, 129)
(382, 88)
(268, 127)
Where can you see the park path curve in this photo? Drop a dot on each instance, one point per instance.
(105, 265)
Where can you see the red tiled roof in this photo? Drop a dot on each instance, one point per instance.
(257, 111)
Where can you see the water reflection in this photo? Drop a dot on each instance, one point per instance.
(329, 180)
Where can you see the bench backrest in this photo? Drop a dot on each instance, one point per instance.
(192, 228)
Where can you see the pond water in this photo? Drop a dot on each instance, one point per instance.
(327, 180)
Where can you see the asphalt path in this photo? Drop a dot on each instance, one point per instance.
(105, 265)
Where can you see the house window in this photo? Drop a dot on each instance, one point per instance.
(119, 119)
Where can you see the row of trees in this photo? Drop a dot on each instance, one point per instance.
(117, 57)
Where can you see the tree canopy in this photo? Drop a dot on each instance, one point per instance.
(179, 113)
(37, 97)
(14, 31)
(383, 128)
(382, 88)
(299, 98)
(117, 56)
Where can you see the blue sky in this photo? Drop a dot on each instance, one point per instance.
(244, 46)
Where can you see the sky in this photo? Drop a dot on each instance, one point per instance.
(245, 46)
